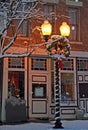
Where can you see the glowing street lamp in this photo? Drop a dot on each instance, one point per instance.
(46, 29)
(65, 31)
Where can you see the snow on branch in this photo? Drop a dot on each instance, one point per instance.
(19, 10)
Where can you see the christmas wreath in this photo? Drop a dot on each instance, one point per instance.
(59, 48)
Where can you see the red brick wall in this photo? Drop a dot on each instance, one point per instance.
(61, 9)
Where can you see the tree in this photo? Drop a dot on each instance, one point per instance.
(12, 11)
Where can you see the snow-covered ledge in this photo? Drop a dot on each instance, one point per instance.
(79, 54)
(75, 3)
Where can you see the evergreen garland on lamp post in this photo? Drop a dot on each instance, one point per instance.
(58, 49)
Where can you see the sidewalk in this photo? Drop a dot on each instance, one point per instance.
(68, 125)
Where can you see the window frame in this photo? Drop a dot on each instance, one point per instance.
(36, 67)
(76, 24)
(23, 29)
(47, 9)
(79, 62)
(74, 101)
(67, 62)
(12, 63)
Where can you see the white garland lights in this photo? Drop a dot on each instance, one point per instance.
(59, 48)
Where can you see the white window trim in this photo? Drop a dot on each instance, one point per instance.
(79, 54)
(75, 92)
(51, 1)
(74, 3)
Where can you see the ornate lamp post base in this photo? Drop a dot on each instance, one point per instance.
(58, 124)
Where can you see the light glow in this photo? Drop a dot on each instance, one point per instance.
(65, 29)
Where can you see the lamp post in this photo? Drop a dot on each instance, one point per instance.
(58, 50)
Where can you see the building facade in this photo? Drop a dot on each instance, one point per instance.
(34, 76)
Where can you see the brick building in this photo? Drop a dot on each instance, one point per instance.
(34, 76)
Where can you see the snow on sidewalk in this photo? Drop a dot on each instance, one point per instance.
(68, 125)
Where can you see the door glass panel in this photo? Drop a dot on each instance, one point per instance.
(83, 90)
(39, 90)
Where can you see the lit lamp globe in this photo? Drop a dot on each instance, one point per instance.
(65, 29)
(46, 29)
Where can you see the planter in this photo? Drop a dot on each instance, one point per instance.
(15, 110)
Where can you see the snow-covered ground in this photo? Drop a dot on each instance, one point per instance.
(68, 125)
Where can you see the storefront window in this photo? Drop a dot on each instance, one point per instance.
(16, 84)
(67, 87)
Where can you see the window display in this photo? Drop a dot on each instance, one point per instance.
(67, 86)
(16, 84)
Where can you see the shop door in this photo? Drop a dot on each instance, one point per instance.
(83, 95)
(39, 101)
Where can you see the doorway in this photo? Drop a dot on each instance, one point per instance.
(39, 107)
(83, 96)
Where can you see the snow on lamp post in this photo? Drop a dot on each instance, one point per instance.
(58, 49)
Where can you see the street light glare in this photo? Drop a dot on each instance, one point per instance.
(46, 28)
(65, 29)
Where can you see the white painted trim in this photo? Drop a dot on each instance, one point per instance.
(74, 3)
(4, 92)
(79, 54)
(51, 1)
